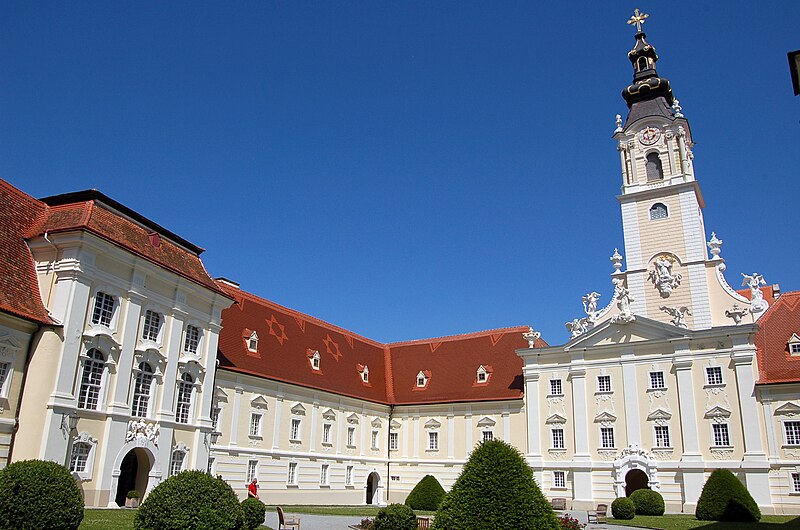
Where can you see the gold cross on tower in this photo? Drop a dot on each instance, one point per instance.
(638, 19)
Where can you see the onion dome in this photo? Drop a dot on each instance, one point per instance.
(647, 85)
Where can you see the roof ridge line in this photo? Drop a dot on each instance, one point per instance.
(449, 338)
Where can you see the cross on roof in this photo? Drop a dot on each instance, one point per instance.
(638, 19)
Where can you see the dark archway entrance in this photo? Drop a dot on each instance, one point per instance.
(636, 479)
(373, 481)
(133, 472)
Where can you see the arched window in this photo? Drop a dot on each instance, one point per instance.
(141, 390)
(91, 380)
(653, 167)
(642, 64)
(184, 399)
(658, 211)
(176, 463)
(79, 457)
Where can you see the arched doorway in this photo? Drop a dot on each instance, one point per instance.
(373, 485)
(133, 474)
(635, 479)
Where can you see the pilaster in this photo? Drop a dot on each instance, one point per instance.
(235, 413)
(133, 310)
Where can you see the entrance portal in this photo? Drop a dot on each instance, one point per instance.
(133, 472)
(373, 481)
(636, 479)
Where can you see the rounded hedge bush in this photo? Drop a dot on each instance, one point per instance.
(395, 517)
(253, 511)
(647, 502)
(426, 495)
(725, 498)
(623, 508)
(190, 500)
(35, 494)
(495, 490)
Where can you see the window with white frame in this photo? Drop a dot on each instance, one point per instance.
(348, 476)
(252, 470)
(433, 441)
(795, 482)
(176, 462)
(192, 339)
(374, 444)
(291, 477)
(215, 412)
(141, 391)
(721, 436)
(255, 424)
(558, 438)
(792, 430)
(351, 437)
(555, 387)
(657, 380)
(365, 375)
(91, 380)
(294, 432)
(604, 383)
(323, 474)
(152, 325)
(252, 342)
(80, 457)
(210, 468)
(5, 369)
(394, 441)
(422, 380)
(103, 311)
(662, 436)
(559, 479)
(326, 433)
(487, 436)
(795, 348)
(658, 211)
(184, 405)
(607, 437)
(315, 360)
(713, 375)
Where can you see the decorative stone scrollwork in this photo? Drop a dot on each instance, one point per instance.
(736, 313)
(141, 429)
(531, 336)
(607, 455)
(678, 315)
(633, 450)
(578, 326)
(663, 276)
(755, 281)
(722, 454)
(624, 299)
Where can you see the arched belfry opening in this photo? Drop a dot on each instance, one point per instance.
(635, 479)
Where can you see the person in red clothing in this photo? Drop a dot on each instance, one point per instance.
(252, 489)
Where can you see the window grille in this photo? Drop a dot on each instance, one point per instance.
(152, 325)
(714, 375)
(103, 309)
(658, 211)
(721, 437)
(607, 437)
(252, 466)
(604, 383)
(184, 399)
(292, 477)
(348, 476)
(433, 441)
(488, 436)
(176, 463)
(80, 457)
(559, 480)
(792, 432)
(326, 433)
(555, 387)
(141, 390)
(91, 380)
(323, 474)
(295, 429)
(351, 436)
(662, 436)
(192, 339)
(656, 380)
(393, 441)
(558, 438)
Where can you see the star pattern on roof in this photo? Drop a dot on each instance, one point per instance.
(274, 325)
(332, 347)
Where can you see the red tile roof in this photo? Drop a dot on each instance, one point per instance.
(776, 326)
(285, 336)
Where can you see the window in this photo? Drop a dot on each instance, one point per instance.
(393, 441)
(792, 429)
(79, 457)
(558, 438)
(662, 436)
(604, 383)
(315, 361)
(555, 387)
(487, 436)
(252, 470)
(653, 167)
(433, 441)
(641, 64)
(656, 380)
(348, 476)
(323, 474)
(192, 339)
(365, 375)
(252, 342)
(210, 468)
(255, 424)
(294, 433)
(421, 379)
(607, 437)
(351, 436)
(91, 380)
(152, 325)
(374, 440)
(141, 390)
(795, 482)
(184, 399)
(103, 309)
(714, 375)
(326, 433)
(291, 478)
(795, 349)
(658, 211)
(559, 479)
(176, 462)
(4, 369)
(215, 412)
(721, 438)
(481, 377)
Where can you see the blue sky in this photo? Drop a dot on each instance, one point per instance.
(401, 169)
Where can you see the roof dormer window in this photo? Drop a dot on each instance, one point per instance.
(313, 358)
(252, 342)
(365, 374)
(482, 375)
(794, 345)
(422, 378)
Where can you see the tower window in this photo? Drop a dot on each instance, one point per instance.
(653, 167)
(642, 64)
(658, 211)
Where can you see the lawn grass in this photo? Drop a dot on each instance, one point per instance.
(361, 511)
(121, 519)
(687, 521)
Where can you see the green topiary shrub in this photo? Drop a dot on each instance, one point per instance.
(35, 494)
(395, 517)
(647, 502)
(623, 508)
(190, 500)
(724, 498)
(495, 490)
(133, 494)
(253, 511)
(426, 495)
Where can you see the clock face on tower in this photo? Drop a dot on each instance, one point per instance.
(649, 135)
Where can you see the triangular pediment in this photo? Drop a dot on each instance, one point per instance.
(376, 422)
(604, 417)
(259, 402)
(794, 339)
(352, 418)
(659, 414)
(432, 424)
(395, 425)
(299, 409)
(717, 412)
(556, 418)
(788, 409)
(220, 395)
(329, 414)
(487, 422)
(640, 330)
